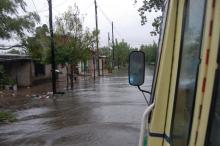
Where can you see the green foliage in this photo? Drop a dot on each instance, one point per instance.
(87, 42)
(150, 52)
(4, 78)
(156, 25)
(72, 42)
(38, 46)
(7, 117)
(106, 51)
(12, 23)
(149, 6)
(122, 51)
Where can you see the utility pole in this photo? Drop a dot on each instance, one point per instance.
(109, 46)
(116, 43)
(113, 47)
(97, 36)
(94, 65)
(108, 39)
(93, 59)
(52, 48)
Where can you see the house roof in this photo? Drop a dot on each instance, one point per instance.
(14, 57)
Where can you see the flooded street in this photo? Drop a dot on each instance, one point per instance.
(106, 112)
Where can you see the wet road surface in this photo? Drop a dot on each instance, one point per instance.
(106, 112)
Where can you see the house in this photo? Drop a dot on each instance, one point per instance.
(23, 70)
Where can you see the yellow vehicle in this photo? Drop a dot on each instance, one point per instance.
(185, 96)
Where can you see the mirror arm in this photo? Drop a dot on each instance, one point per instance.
(143, 90)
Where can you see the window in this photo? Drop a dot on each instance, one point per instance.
(187, 72)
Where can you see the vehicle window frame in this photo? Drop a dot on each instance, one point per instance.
(214, 98)
(160, 50)
(178, 71)
(218, 59)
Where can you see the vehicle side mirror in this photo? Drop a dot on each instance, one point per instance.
(136, 68)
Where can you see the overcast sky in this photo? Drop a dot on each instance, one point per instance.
(122, 12)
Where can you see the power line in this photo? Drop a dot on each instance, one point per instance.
(109, 20)
(118, 33)
(105, 15)
(46, 10)
(35, 6)
(46, 5)
(60, 4)
(87, 8)
(56, 10)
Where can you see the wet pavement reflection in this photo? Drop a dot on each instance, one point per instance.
(106, 112)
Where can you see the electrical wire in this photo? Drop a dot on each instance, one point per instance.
(56, 6)
(104, 14)
(88, 6)
(35, 6)
(109, 20)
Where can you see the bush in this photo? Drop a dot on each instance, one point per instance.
(7, 117)
(4, 78)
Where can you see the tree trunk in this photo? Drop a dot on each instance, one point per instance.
(84, 65)
(118, 62)
(67, 78)
(71, 76)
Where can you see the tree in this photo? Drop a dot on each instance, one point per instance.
(72, 42)
(106, 51)
(150, 52)
(14, 24)
(69, 30)
(122, 50)
(149, 6)
(38, 46)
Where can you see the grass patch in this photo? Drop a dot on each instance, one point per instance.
(6, 117)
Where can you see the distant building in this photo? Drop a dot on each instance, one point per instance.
(91, 65)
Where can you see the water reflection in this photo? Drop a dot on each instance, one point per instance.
(104, 112)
